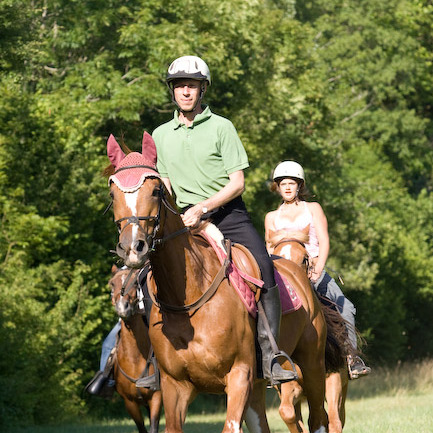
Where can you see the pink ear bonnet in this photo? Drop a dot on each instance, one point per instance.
(132, 169)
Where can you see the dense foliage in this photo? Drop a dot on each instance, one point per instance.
(343, 87)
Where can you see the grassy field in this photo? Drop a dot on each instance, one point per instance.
(389, 401)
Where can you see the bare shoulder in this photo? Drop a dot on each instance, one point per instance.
(315, 208)
(270, 216)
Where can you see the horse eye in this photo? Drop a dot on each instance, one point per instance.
(156, 192)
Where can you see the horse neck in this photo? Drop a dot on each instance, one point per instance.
(181, 266)
(134, 339)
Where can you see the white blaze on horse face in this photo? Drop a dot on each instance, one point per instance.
(131, 203)
(286, 252)
(321, 430)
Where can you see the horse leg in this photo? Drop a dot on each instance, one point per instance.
(134, 410)
(255, 415)
(299, 417)
(345, 384)
(155, 404)
(290, 406)
(314, 389)
(176, 397)
(238, 389)
(334, 398)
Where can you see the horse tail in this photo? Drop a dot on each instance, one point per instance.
(337, 347)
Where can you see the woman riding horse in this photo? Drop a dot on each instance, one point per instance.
(296, 214)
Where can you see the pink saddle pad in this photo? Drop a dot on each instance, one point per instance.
(290, 300)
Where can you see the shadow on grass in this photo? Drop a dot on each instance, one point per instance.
(191, 426)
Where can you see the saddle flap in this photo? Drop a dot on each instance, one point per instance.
(244, 260)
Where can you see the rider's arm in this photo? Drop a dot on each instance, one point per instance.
(321, 225)
(269, 223)
(234, 188)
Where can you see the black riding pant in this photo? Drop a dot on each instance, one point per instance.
(235, 224)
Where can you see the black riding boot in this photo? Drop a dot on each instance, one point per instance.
(271, 369)
(103, 384)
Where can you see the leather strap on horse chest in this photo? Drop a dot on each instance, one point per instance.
(219, 277)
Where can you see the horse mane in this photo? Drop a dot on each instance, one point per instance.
(110, 169)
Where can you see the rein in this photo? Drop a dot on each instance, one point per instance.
(155, 242)
(125, 287)
(219, 277)
(281, 241)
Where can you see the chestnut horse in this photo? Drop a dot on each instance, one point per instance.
(132, 353)
(291, 245)
(203, 336)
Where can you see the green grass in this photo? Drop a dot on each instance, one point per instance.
(388, 401)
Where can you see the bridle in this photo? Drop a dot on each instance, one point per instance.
(152, 240)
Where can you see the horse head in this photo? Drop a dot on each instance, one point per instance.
(123, 285)
(135, 188)
(291, 245)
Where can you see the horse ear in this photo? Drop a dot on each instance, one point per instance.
(114, 152)
(114, 269)
(148, 148)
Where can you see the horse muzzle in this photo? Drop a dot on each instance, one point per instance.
(124, 308)
(133, 250)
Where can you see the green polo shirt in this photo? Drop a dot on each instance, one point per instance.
(198, 159)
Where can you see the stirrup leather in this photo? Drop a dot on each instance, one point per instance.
(153, 381)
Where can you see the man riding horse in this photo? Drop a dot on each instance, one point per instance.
(201, 159)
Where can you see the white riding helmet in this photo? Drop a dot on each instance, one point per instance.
(188, 67)
(289, 169)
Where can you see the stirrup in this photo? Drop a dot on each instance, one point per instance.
(357, 367)
(151, 382)
(285, 375)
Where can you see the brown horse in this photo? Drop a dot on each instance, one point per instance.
(132, 353)
(292, 247)
(202, 334)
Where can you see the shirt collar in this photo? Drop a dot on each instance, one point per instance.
(203, 116)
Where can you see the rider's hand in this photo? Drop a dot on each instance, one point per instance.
(191, 217)
(314, 274)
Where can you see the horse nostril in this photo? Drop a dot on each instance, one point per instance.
(140, 246)
(120, 246)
